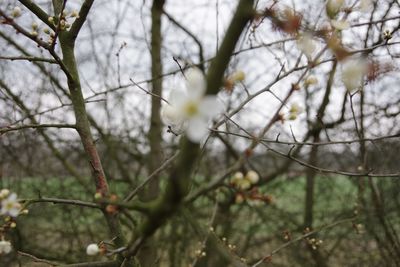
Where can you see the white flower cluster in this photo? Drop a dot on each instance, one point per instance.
(334, 7)
(191, 110)
(10, 208)
(244, 182)
(9, 203)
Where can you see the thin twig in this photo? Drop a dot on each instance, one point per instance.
(147, 91)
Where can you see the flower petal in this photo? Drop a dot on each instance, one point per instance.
(196, 83)
(12, 197)
(210, 106)
(340, 24)
(306, 44)
(14, 212)
(197, 129)
(5, 247)
(353, 73)
(177, 97)
(171, 116)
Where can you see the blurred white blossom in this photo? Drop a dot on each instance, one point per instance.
(253, 177)
(311, 80)
(5, 247)
(306, 44)
(92, 249)
(16, 12)
(191, 109)
(353, 73)
(4, 193)
(10, 206)
(294, 111)
(244, 182)
(333, 7)
(340, 24)
(237, 76)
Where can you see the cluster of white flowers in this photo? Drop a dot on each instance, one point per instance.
(191, 110)
(333, 8)
(244, 182)
(9, 203)
(10, 208)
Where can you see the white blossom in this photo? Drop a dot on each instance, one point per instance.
(353, 73)
(243, 184)
(170, 115)
(5, 247)
(306, 45)
(92, 249)
(236, 177)
(4, 193)
(237, 76)
(311, 80)
(16, 12)
(294, 111)
(10, 206)
(340, 24)
(75, 14)
(333, 7)
(253, 177)
(191, 109)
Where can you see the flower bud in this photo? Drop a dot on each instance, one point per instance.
(292, 116)
(92, 249)
(4, 193)
(311, 80)
(16, 12)
(253, 177)
(74, 14)
(34, 26)
(239, 199)
(333, 7)
(243, 184)
(237, 176)
(238, 76)
(24, 211)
